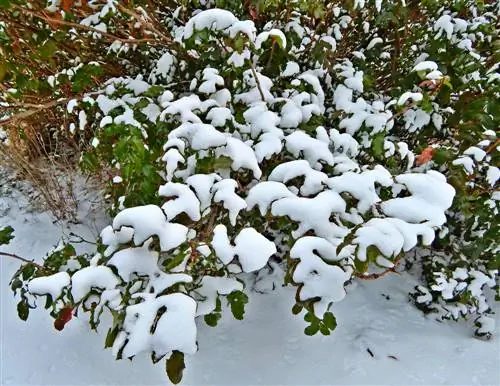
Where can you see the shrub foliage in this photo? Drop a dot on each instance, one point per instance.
(328, 138)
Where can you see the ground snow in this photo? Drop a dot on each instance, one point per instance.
(268, 347)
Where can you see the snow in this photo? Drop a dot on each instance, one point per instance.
(185, 201)
(210, 288)
(430, 197)
(221, 245)
(413, 96)
(224, 191)
(175, 328)
(313, 150)
(362, 186)
(214, 19)
(253, 249)
(312, 213)
(200, 135)
(426, 66)
(314, 181)
(265, 193)
(319, 279)
(202, 185)
(274, 33)
(366, 320)
(243, 156)
(147, 221)
(292, 68)
(91, 277)
(51, 285)
(211, 79)
(374, 42)
(492, 175)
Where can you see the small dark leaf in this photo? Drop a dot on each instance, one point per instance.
(16, 284)
(296, 309)
(23, 310)
(175, 367)
(28, 271)
(212, 319)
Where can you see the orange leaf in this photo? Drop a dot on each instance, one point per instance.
(425, 156)
(66, 5)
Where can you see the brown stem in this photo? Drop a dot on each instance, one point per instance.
(85, 27)
(374, 276)
(13, 256)
(492, 147)
(148, 24)
(257, 81)
(36, 108)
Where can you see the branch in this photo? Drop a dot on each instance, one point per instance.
(85, 27)
(374, 276)
(13, 256)
(492, 147)
(36, 108)
(257, 81)
(148, 24)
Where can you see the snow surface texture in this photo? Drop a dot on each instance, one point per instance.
(269, 338)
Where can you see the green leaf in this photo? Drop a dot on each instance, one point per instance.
(28, 271)
(16, 284)
(309, 317)
(212, 319)
(110, 337)
(324, 330)
(6, 234)
(330, 321)
(237, 301)
(312, 329)
(23, 310)
(378, 145)
(175, 367)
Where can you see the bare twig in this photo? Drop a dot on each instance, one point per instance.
(85, 27)
(493, 147)
(257, 81)
(13, 256)
(374, 276)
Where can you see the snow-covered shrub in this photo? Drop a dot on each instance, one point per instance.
(279, 134)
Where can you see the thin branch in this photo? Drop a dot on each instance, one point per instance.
(493, 147)
(36, 108)
(85, 27)
(13, 256)
(374, 276)
(257, 81)
(148, 24)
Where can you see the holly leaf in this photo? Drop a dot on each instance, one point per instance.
(175, 367)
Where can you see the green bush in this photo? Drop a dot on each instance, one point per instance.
(331, 138)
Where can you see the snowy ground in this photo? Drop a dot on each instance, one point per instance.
(267, 348)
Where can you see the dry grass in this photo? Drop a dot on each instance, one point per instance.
(48, 163)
